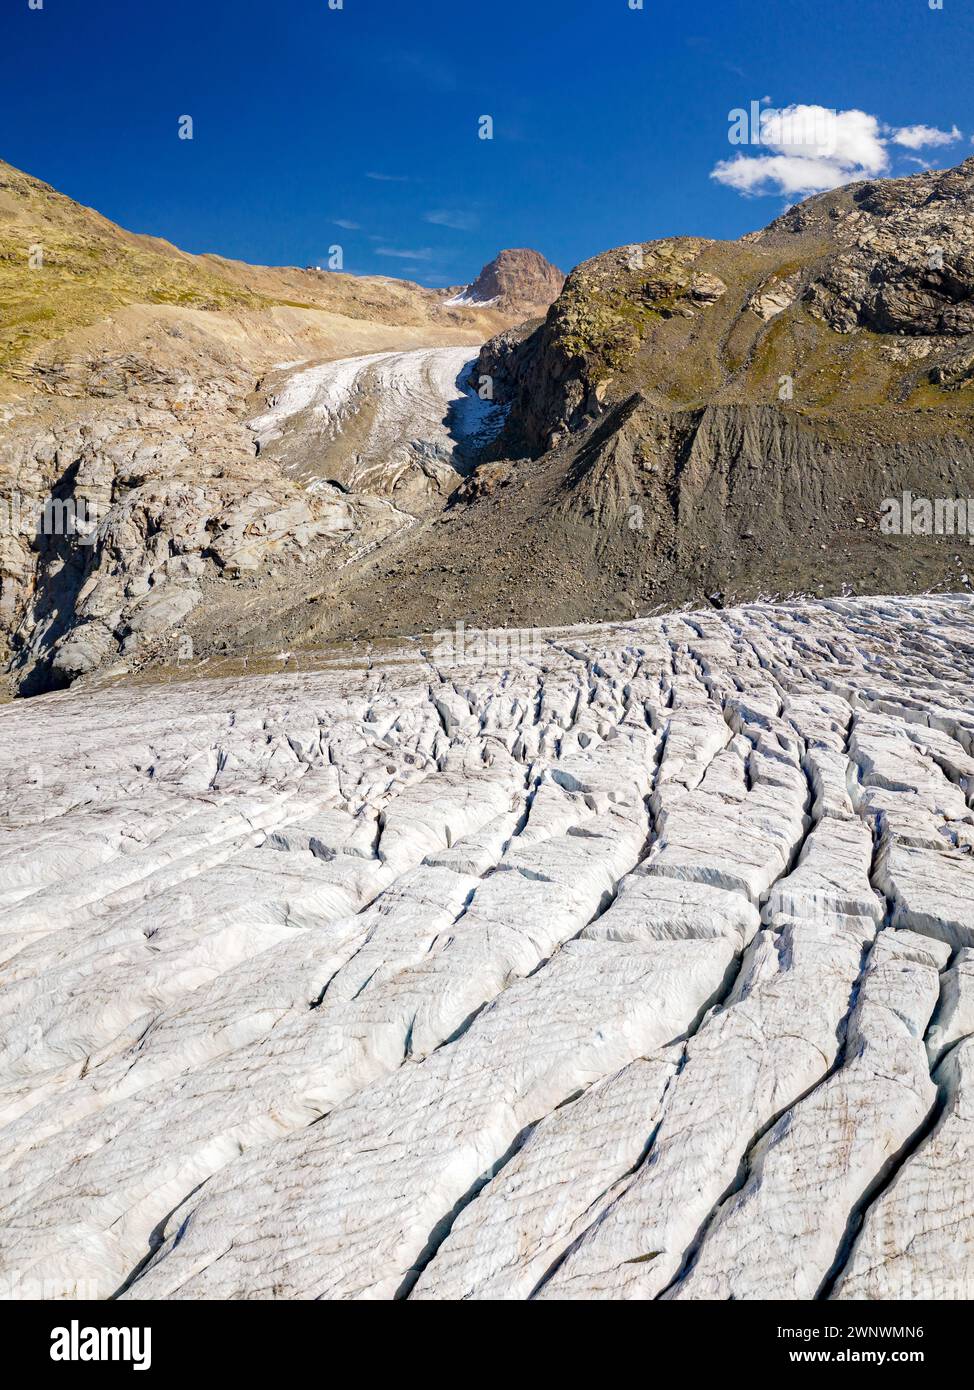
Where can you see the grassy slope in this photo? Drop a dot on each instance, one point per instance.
(93, 268)
(90, 268)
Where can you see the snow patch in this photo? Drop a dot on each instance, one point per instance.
(465, 298)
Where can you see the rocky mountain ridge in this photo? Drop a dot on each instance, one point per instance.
(689, 321)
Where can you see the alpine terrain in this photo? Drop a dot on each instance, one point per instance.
(487, 796)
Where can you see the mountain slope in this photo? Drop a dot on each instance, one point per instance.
(699, 421)
(696, 418)
(691, 421)
(88, 268)
(822, 297)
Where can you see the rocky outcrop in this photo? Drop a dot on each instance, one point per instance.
(124, 512)
(560, 376)
(620, 962)
(687, 321)
(904, 254)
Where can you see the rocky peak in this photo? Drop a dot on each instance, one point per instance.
(518, 281)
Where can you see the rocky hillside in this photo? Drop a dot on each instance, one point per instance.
(131, 488)
(518, 282)
(703, 421)
(821, 298)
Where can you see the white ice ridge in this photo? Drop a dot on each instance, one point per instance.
(642, 968)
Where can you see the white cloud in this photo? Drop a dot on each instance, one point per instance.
(459, 221)
(919, 137)
(387, 178)
(424, 254)
(793, 175)
(347, 226)
(422, 69)
(809, 149)
(849, 139)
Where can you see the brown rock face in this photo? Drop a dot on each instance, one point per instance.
(515, 282)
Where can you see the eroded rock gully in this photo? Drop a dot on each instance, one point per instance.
(641, 967)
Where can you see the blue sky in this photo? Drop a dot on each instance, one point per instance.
(608, 121)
